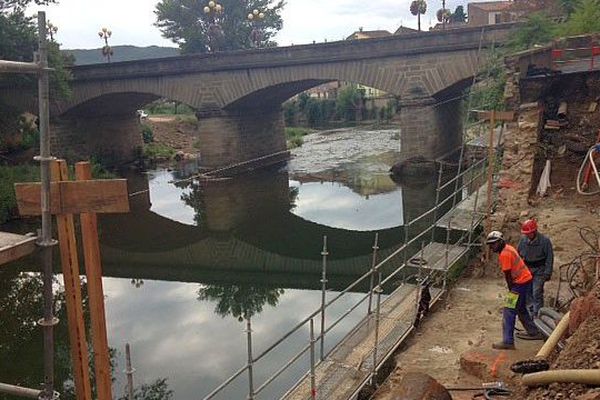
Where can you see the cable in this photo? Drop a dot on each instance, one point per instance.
(589, 156)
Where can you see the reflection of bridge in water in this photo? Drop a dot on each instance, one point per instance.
(246, 233)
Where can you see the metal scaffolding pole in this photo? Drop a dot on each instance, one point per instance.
(46, 242)
(372, 279)
(324, 254)
(250, 359)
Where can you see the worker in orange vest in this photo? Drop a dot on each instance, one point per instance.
(519, 280)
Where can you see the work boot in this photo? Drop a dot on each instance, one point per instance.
(529, 336)
(503, 346)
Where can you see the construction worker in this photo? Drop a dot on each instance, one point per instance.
(536, 250)
(518, 279)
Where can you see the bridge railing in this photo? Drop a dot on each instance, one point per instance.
(312, 351)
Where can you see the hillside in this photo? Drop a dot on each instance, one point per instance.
(122, 53)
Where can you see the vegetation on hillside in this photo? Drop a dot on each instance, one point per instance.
(121, 53)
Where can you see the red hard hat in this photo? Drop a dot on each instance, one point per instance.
(529, 226)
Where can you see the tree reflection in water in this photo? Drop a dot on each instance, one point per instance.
(241, 301)
(21, 339)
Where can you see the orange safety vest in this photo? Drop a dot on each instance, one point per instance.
(511, 261)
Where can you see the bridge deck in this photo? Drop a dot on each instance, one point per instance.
(13, 246)
(461, 216)
(347, 368)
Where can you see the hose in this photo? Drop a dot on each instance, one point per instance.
(584, 376)
(589, 155)
(552, 341)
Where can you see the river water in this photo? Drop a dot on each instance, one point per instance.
(184, 267)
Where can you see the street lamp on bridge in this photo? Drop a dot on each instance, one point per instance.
(107, 51)
(213, 11)
(256, 18)
(52, 29)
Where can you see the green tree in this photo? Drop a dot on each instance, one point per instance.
(418, 7)
(240, 301)
(157, 390)
(537, 29)
(584, 19)
(18, 41)
(186, 24)
(349, 103)
(458, 15)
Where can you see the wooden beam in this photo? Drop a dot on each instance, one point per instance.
(70, 268)
(98, 196)
(93, 268)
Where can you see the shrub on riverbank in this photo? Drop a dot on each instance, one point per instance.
(158, 152)
(8, 177)
(294, 136)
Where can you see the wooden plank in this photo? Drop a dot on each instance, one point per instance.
(70, 268)
(13, 246)
(98, 196)
(93, 268)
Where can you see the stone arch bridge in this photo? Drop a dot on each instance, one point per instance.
(238, 95)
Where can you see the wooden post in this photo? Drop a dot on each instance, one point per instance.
(93, 268)
(490, 177)
(70, 268)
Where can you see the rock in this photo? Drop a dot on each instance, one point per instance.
(589, 396)
(180, 155)
(418, 386)
(523, 213)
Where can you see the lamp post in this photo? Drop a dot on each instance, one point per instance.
(107, 51)
(213, 11)
(256, 17)
(52, 29)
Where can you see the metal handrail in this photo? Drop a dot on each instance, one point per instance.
(282, 369)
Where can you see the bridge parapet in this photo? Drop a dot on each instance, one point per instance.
(392, 46)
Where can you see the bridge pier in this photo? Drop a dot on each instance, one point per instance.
(430, 128)
(115, 139)
(229, 137)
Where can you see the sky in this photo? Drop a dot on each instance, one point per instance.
(304, 21)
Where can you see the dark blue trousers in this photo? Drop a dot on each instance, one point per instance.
(509, 315)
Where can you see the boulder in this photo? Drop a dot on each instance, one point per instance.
(419, 386)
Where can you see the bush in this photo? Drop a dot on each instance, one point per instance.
(147, 134)
(8, 177)
(584, 19)
(157, 152)
(295, 136)
(538, 29)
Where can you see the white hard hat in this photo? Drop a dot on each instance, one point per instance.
(494, 236)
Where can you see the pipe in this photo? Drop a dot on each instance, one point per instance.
(550, 312)
(552, 341)
(584, 376)
(562, 110)
(20, 391)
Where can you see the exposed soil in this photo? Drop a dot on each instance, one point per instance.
(178, 133)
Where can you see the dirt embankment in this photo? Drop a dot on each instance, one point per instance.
(179, 132)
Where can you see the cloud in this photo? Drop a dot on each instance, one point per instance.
(304, 20)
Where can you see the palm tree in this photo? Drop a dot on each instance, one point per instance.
(418, 7)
